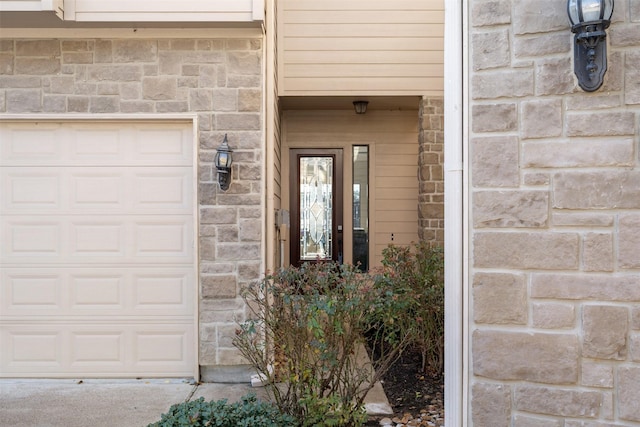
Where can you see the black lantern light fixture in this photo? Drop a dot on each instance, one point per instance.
(360, 106)
(223, 162)
(589, 20)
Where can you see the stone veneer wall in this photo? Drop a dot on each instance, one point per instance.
(430, 171)
(221, 81)
(555, 194)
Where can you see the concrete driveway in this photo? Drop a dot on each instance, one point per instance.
(108, 403)
(117, 403)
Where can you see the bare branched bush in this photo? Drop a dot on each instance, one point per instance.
(308, 337)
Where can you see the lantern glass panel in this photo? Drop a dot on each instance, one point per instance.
(591, 10)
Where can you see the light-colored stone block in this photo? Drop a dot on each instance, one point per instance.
(597, 252)
(519, 356)
(554, 77)
(558, 402)
(604, 330)
(490, 12)
(491, 405)
(600, 123)
(629, 393)
(632, 74)
(527, 421)
(543, 16)
(502, 84)
(541, 44)
(553, 315)
(584, 153)
(583, 423)
(250, 230)
(635, 318)
(616, 189)
(593, 102)
(219, 215)
(494, 117)
(103, 104)
(585, 287)
(629, 241)
(225, 99)
(541, 118)
(23, 101)
(495, 161)
(218, 286)
(6, 64)
(548, 251)
(596, 374)
(614, 78)
(490, 49)
(135, 50)
(635, 10)
(499, 298)
(200, 100)
(238, 251)
(38, 47)
(581, 219)
(536, 178)
(634, 347)
(249, 100)
(126, 73)
(159, 88)
(519, 209)
(37, 66)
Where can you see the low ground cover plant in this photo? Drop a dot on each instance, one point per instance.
(248, 412)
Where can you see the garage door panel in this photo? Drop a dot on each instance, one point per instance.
(32, 348)
(97, 350)
(96, 190)
(97, 249)
(89, 144)
(114, 292)
(31, 189)
(67, 239)
(163, 189)
(26, 143)
(26, 239)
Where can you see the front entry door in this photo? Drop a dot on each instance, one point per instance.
(316, 205)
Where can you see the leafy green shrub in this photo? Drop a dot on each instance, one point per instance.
(248, 412)
(414, 277)
(306, 337)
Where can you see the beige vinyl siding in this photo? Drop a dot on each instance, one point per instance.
(273, 143)
(396, 193)
(383, 47)
(393, 140)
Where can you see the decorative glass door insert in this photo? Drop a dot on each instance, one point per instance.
(316, 208)
(316, 205)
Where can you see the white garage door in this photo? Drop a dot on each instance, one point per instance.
(97, 261)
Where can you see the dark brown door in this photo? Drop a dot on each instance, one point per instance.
(316, 205)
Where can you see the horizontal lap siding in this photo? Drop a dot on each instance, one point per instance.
(392, 138)
(361, 47)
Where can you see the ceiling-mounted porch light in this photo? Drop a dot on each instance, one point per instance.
(360, 106)
(223, 161)
(589, 20)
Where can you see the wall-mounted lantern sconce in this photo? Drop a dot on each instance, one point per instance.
(360, 106)
(223, 162)
(589, 20)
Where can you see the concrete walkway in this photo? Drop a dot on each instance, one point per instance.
(117, 403)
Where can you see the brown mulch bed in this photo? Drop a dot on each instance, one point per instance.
(411, 392)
